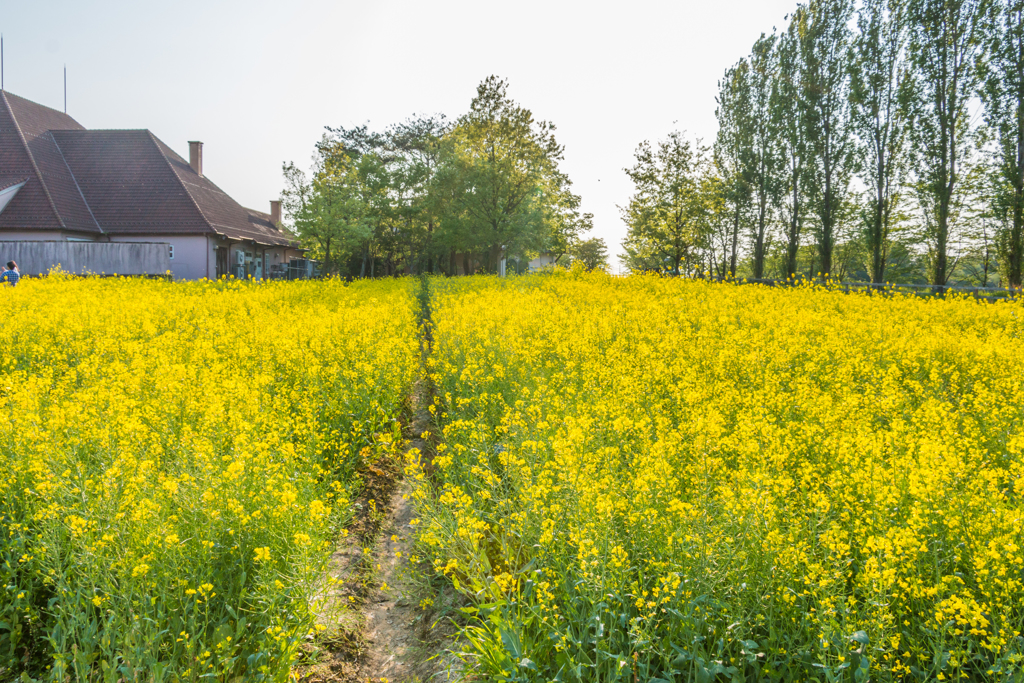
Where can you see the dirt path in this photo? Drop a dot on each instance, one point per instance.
(375, 627)
(398, 645)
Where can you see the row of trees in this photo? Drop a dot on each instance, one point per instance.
(893, 150)
(428, 195)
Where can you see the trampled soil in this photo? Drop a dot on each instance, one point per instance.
(377, 627)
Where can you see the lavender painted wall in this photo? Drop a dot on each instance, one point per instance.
(192, 260)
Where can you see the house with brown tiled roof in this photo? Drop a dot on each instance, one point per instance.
(61, 182)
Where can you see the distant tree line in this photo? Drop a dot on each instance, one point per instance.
(429, 195)
(882, 142)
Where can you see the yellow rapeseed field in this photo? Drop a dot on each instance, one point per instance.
(646, 479)
(175, 460)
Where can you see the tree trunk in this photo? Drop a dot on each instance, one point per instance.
(759, 244)
(948, 142)
(494, 259)
(939, 274)
(877, 235)
(735, 241)
(877, 262)
(793, 238)
(827, 227)
(430, 246)
(1015, 254)
(984, 282)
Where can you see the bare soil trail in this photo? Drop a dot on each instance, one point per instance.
(376, 627)
(379, 621)
(399, 642)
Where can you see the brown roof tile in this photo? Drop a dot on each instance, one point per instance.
(114, 181)
(127, 182)
(225, 215)
(22, 124)
(10, 181)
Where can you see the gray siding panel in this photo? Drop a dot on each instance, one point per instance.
(123, 258)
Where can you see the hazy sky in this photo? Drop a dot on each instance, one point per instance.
(257, 81)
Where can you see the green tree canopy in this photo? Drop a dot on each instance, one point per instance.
(670, 214)
(498, 189)
(881, 93)
(1003, 94)
(590, 253)
(330, 212)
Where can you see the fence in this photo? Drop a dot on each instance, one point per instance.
(988, 293)
(123, 258)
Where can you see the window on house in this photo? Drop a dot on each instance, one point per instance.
(170, 251)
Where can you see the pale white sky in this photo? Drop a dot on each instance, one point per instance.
(257, 81)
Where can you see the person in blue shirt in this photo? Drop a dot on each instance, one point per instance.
(11, 274)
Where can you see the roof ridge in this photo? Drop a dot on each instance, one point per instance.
(12, 183)
(8, 92)
(174, 173)
(75, 181)
(104, 130)
(32, 159)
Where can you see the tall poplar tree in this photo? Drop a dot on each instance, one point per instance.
(763, 155)
(789, 114)
(825, 44)
(729, 156)
(1003, 94)
(944, 46)
(880, 94)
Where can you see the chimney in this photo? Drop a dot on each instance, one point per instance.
(195, 156)
(275, 211)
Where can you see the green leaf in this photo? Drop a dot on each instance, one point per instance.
(861, 637)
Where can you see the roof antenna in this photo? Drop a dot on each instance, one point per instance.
(1, 61)
(65, 88)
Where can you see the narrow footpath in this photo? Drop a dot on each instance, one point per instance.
(378, 622)
(398, 642)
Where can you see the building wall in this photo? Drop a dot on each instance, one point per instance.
(543, 260)
(38, 257)
(192, 258)
(195, 256)
(43, 236)
(268, 257)
(251, 253)
(280, 256)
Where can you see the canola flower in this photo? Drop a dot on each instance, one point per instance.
(175, 461)
(659, 479)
